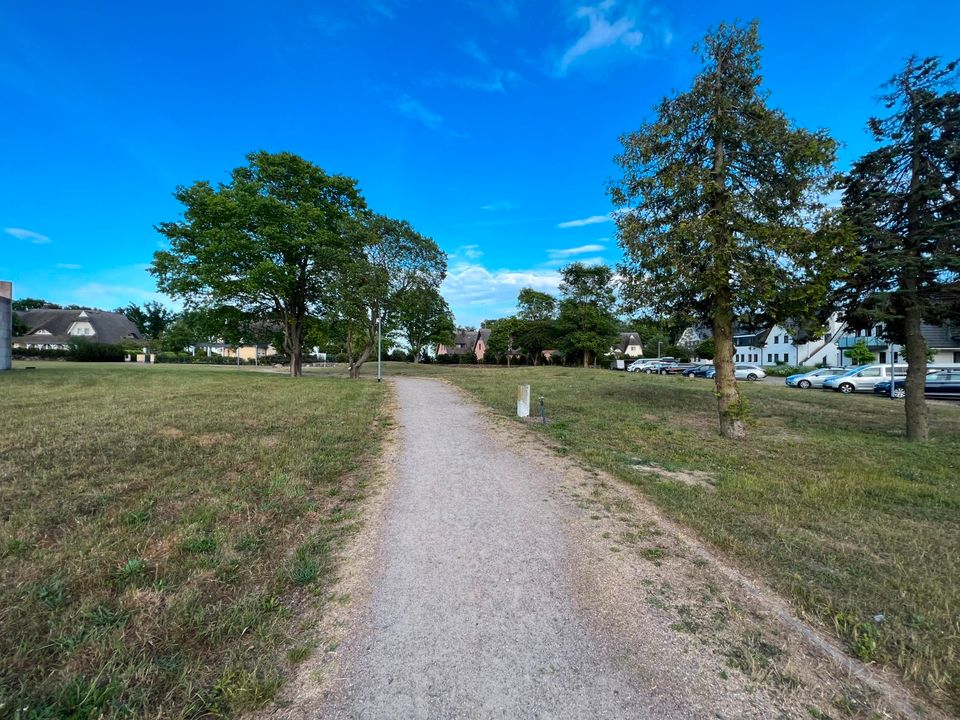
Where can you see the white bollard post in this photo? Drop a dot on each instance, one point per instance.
(6, 325)
(523, 401)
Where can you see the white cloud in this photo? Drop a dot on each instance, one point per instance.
(23, 234)
(499, 205)
(471, 251)
(563, 253)
(374, 7)
(69, 266)
(592, 220)
(470, 48)
(476, 293)
(414, 109)
(602, 32)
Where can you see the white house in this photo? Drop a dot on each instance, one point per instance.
(628, 346)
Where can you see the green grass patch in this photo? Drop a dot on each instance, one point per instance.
(156, 525)
(825, 498)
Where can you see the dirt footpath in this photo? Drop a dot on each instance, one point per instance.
(504, 581)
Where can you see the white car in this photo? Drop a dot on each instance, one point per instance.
(748, 372)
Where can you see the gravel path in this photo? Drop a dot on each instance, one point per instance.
(472, 615)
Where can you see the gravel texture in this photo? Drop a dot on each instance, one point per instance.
(494, 578)
(471, 613)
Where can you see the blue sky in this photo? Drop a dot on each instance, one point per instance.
(489, 126)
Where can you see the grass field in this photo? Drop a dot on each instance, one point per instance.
(166, 532)
(824, 500)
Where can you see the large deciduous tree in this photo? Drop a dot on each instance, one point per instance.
(271, 242)
(722, 217)
(152, 319)
(535, 327)
(586, 325)
(423, 318)
(395, 259)
(903, 203)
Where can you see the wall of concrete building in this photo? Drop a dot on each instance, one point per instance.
(6, 324)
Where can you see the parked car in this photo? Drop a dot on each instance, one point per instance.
(652, 365)
(813, 378)
(862, 378)
(943, 384)
(741, 371)
(748, 372)
(698, 371)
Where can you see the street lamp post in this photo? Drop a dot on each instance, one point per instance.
(379, 348)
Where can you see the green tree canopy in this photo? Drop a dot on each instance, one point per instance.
(32, 304)
(859, 354)
(152, 319)
(721, 207)
(423, 318)
(903, 202)
(535, 305)
(394, 259)
(586, 326)
(272, 242)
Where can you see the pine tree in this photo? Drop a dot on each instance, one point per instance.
(902, 201)
(722, 217)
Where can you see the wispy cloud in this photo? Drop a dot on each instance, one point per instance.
(23, 234)
(416, 110)
(375, 7)
(470, 251)
(563, 253)
(69, 266)
(603, 31)
(471, 49)
(592, 220)
(477, 293)
(499, 205)
(500, 11)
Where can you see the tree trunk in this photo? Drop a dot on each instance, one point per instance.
(292, 342)
(915, 402)
(586, 358)
(508, 359)
(728, 397)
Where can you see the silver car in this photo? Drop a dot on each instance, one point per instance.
(813, 378)
(748, 372)
(862, 378)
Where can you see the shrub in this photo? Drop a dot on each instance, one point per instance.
(785, 370)
(83, 351)
(39, 354)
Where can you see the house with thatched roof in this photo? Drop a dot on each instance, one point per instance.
(55, 329)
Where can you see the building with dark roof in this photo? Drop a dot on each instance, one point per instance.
(58, 329)
(466, 342)
(628, 346)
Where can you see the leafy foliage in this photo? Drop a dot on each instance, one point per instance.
(586, 325)
(859, 354)
(722, 216)
(902, 201)
(272, 243)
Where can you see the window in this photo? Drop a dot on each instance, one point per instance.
(956, 357)
(869, 372)
(776, 339)
(883, 357)
(768, 357)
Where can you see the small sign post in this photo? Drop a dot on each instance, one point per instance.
(523, 401)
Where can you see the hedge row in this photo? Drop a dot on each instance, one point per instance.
(78, 352)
